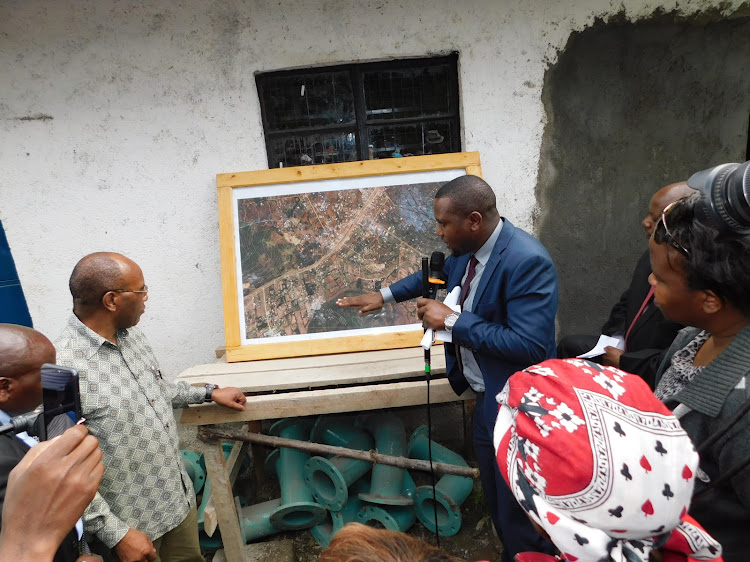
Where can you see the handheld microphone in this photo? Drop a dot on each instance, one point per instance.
(433, 278)
(436, 278)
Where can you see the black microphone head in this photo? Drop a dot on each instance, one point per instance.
(437, 262)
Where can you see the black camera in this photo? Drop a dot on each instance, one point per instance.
(61, 400)
(725, 197)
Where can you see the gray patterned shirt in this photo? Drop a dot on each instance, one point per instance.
(128, 406)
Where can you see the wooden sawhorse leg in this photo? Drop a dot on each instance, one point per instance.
(226, 510)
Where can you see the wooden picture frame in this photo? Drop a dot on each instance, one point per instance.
(346, 181)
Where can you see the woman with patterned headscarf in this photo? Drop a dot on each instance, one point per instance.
(599, 464)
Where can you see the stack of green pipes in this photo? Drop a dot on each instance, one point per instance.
(325, 493)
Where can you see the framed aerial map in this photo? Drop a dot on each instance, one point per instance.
(294, 240)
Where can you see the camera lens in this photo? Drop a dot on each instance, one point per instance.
(725, 197)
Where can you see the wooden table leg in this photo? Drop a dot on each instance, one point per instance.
(233, 465)
(226, 512)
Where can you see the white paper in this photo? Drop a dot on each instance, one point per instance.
(451, 301)
(603, 342)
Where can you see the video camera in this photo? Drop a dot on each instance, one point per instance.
(61, 405)
(725, 198)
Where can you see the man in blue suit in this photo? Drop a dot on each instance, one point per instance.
(506, 323)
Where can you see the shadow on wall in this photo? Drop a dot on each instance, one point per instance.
(631, 107)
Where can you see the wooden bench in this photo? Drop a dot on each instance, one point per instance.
(302, 386)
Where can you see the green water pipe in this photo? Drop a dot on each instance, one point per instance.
(191, 461)
(335, 520)
(297, 509)
(387, 482)
(392, 517)
(329, 479)
(450, 491)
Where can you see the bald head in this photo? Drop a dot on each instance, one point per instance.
(467, 194)
(23, 351)
(666, 195)
(109, 293)
(94, 275)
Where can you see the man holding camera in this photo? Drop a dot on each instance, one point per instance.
(146, 508)
(23, 351)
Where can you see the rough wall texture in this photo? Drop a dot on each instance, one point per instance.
(116, 115)
(631, 107)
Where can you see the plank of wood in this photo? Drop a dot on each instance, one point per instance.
(224, 500)
(348, 344)
(447, 161)
(228, 267)
(239, 450)
(303, 373)
(326, 401)
(298, 363)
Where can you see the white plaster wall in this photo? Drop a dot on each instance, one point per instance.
(148, 101)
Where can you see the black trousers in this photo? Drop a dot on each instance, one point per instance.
(513, 526)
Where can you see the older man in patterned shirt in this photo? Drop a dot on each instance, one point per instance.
(145, 508)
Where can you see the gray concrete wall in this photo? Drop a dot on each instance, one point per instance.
(631, 107)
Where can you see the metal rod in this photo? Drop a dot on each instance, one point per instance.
(209, 434)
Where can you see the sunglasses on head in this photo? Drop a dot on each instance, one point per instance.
(662, 234)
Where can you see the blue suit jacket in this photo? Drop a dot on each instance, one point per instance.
(512, 325)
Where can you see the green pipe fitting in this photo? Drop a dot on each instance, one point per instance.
(335, 520)
(255, 520)
(191, 461)
(339, 432)
(387, 482)
(394, 518)
(329, 479)
(297, 509)
(210, 543)
(450, 491)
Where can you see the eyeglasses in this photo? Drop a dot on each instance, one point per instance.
(141, 291)
(662, 234)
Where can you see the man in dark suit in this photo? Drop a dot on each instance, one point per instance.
(645, 333)
(506, 323)
(23, 351)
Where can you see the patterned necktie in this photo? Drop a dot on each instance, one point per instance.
(467, 283)
(462, 298)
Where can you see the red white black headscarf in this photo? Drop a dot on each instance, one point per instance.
(599, 463)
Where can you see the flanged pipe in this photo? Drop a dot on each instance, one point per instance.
(297, 510)
(392, 517)
(191, 461)
(255, 520)
(450, 491)
(387, 482)
(329, 479)
(335, 520)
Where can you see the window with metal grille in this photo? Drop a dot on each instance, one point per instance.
(360, 111)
